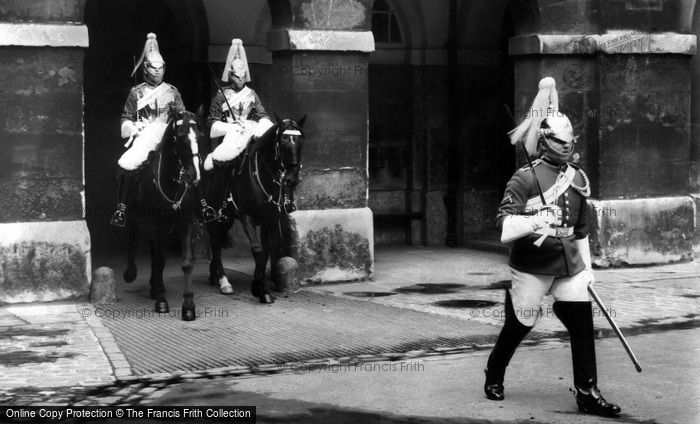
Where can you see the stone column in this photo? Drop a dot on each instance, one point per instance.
(623, 74)
(44, 240)
(320, 69)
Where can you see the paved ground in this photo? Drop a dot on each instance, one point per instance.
(448, 389)
(421, 303)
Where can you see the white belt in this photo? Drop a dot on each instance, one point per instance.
(556, 231)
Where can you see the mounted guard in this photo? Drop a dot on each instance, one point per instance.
(236, 116)
(544, 213)
(143, 124)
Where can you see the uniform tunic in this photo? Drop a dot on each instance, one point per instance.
(245, 103)
(147, 106)
(557, 256)
(241, 111)
(146, 102)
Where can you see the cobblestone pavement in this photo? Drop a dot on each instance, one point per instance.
(421, 302)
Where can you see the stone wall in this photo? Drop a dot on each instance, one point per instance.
(628, 94)
(320, 68)
(45, 245)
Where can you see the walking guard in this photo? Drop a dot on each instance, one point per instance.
(236, 116)
(143, 122)
(544, 214)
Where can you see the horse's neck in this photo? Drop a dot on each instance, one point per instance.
(167, 165)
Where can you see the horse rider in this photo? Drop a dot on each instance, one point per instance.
(550, 251)
(236, 116)
(143, 123)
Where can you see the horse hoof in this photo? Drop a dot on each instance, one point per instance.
(189, 314)
(162, 306)
(267, 298)
(129, 275)
(226, 289)
(255, 289)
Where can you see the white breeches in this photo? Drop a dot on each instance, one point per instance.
(144, 143)
(235, 140)
(530, 289)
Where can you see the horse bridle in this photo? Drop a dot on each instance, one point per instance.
(177, 203)
(283, 203)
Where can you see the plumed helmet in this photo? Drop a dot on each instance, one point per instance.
(558, 126)
(236, 62)
(150, 55)
(545, 106)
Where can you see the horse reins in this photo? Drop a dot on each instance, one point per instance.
(176, 204)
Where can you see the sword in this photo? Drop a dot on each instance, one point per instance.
(221, 90)
(540, 240)
(616, 329)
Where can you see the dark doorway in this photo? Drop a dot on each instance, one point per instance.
(490, 160)
(117, 30)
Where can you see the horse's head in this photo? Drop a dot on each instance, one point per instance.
(289, 143)
(188, 139)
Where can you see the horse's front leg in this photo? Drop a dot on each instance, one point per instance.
(188, 310)
(217, 240)
(257, 287)
(157, 286)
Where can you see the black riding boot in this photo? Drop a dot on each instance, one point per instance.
(125, 183)
(512, 334)
(217, 192)
(577, 317)
(208, 213)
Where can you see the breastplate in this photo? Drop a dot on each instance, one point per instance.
(153, 102)
(241, 103)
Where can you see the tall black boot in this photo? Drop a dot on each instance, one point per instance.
(577, 317)
(218, 193)
(208, 213)
(126, 183)
(512, 334)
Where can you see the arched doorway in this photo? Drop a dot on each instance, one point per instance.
(391, 107)
(117, 30)
(487, 81)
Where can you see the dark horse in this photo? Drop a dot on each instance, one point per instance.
(262, 189)
(163, 203)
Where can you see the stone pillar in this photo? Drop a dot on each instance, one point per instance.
(44, 241)
(320, 69)
(623, 74)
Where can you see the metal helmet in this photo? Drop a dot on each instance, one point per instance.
(151, 60)
(236, 67)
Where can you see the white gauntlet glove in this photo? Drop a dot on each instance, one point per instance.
(517, 226)
(220, 129)
(129, 129)
(585, 251)
(261, 127)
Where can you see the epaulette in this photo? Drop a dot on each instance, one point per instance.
(534, 164)
(585, 191)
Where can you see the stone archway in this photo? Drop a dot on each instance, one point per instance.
(486, 80)
(117, 31)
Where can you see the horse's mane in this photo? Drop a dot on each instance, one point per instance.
(267, 141)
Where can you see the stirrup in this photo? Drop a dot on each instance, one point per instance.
(208, 214)
(222, 217)
(594, 403)
(119, 216)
